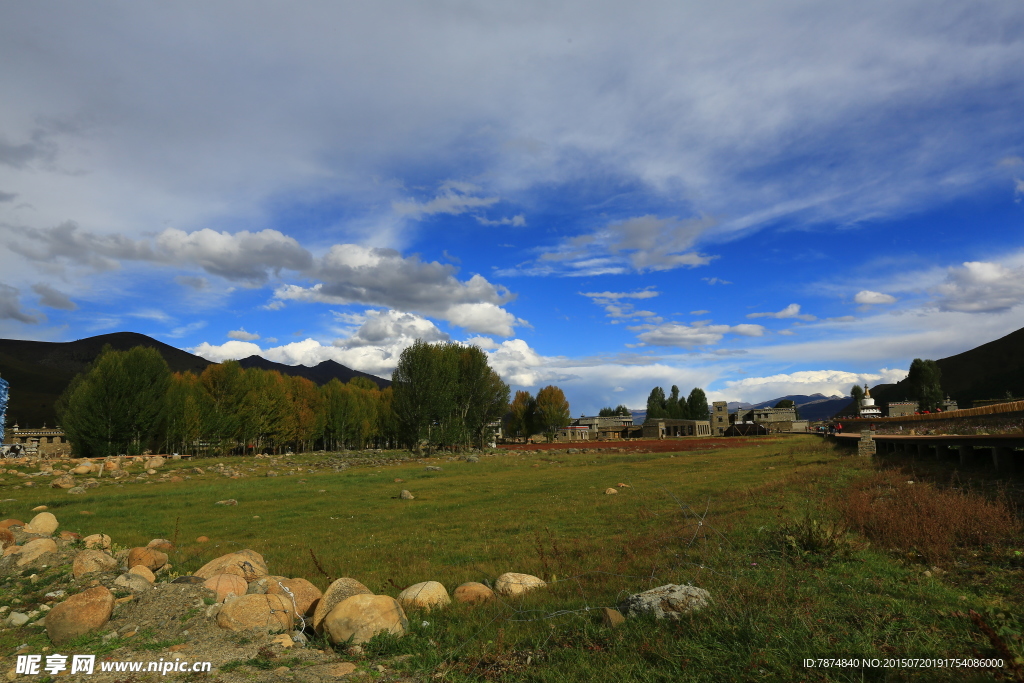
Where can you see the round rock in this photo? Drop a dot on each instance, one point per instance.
(79, 614)
(226, 584)
(264, 612)
(305, 594)
(361, 617)
(147, 557)
(248, 564)
(337, 592)
(473, 592)
(512, 583)
(426, 595)
(667, 602)
(43, 523)
(100, 541)
(89, 561)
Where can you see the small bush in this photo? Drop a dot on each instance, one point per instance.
(899, 515)
(814, 540)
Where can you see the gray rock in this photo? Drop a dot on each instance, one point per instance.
(132, 582)
(405, 495)
(229, 501)
(17, 619)
(432, 468)
(667, 602)
(76, 490)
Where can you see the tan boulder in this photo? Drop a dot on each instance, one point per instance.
(33, 550)
(265, 612)
(151, 559)
(472, 592)
(79, 614)
(248, 564)
(69, 536)
(43, 523)
(89, 561)
(82, 469)
(7, 523)
(260, 585)
(512, 583)
(361, 617)
(143, 571)
(161, 544)
(338, 591)
(6, 538)
(63, 482)
(304, 594)
(101, 541)
(425, 595)
(226, 584)
(610, 491)
(203, 539)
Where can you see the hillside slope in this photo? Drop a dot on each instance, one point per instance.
(38, 372)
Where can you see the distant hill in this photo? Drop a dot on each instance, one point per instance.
(38, 372)
(986, 371)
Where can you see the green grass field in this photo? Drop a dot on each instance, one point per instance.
(794, 541)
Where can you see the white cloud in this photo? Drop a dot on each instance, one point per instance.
(454, 199)
(827, 382)
(689, 336)
(700, 312)
(242, 335)
(981, 287)
(599, 297)
(867, 297)
(716, 281)
(232, 350)
(645, 243)
(790, 311)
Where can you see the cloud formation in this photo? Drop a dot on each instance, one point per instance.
(241, 335)
(869, 298)
(981, 287)
(827, 382)
(10, 306)
(48, 296)
(689, 336)
(790, 311)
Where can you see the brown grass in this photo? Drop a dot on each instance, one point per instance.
(898, 515)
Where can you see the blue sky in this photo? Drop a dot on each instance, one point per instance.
(754, 198)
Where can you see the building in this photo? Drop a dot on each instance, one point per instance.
(901, 408)
(764, 415)
(719, 418)
(48, 441)
(599, 428)
(659, 428)
(867, 409)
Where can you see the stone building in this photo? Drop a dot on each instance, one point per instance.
(772, 419)
(599, 428)
(658, 428)
(719, 418)
(47, 442)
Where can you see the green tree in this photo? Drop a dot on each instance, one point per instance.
(697, 404)
(656, 404)
(925, 383)
(674, 408)
(612, 412)
(187, 406)
(552, 410)
(222, 383)
(521, 415)
(858, 395)
(117, 405)
(262, 409)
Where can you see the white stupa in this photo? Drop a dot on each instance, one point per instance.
(868, 408)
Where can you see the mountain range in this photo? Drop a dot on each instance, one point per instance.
(38, 372)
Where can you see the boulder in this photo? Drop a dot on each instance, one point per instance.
(7, 523)
(361, 617)
(143, 571)
(512, 583)
(149, 558)
(101, 541)
(82, 469)
(473, 592)
(265, 612)
(340, 590)
(304, 594)
(154, 463)
(203, 539)
(405, 495)
(425, 595)
(133, 582)
(43, 523)
(79, 614)
(76, 490)
(89, 561)
(6, 538)
(161, 544)
(667, 602)
(226, 584)
(63, 482)
(69, 536)
(260, 585)
(611, 617)
(33, 550)
(246, 563)
(610, 491)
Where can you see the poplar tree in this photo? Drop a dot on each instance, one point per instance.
(697, 404)
(552, 410)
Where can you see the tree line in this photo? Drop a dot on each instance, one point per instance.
(675, 407)
(442, 396)
(544, 414)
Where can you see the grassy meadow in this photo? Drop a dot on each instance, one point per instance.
(807, 551)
